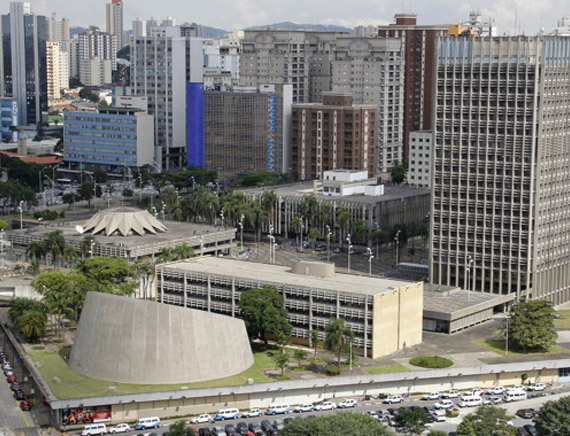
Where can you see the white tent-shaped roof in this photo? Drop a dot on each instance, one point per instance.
(124, 221)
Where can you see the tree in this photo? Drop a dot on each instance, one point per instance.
(299, 356)
(54, 243)
(531, 326)
(314, 234)
(309, 208)
(340, 424)
(19, 305)
(411, 421)
(486, 421)
(281, 360)
(86, 191)
(88, 245)
(109, 274)
(338, 335)
(179, 429)
(70, 198)
(315, 339)
(263, 312)
(268, 202)
(553, 418)
(69, 254)
(32, 324)
(36, 250)
(343, 221)
(297, 224)
(437, 433)
(88, 95)
(398, 173)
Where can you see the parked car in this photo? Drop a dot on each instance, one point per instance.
(537, 387)
(253, 413)
(15, 386)
(120, 428)
(255, 427)
(432, 396)
(204, 417)
(491, 401)
(327, 405)
(525, 413)
(304, 408)
(438, 415)
(497, 390)
(451, 394)
(242, 427)
(530, 429)
(11, 378)
(19, 394)
(444, 404)
(266, 425)
(345, 404)
(25, 405)
(219, 431)
(477, 392)
(393, 399)
(279, 424)
(205, 431)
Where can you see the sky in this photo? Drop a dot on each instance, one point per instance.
(529, 16)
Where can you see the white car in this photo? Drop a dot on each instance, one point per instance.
(497, 390)
(450, 394)
(393, 399)
(345, 404)
(517, 388)
(492, 401)
(327, 405)
(432, 396)
(537, 387)
(444, 404)
(204, 417)
(474, 392)
(304, 408)
(120, 428)
(438, 415)
(253, 413)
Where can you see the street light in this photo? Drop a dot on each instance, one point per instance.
(92, 250)
(468, 265)
(2, 246)
(163, 210)
(222, 217)
(241, 218)
(370, 257)
(21, 210)
(271, 243)
(329, 234)
(349, 250)
(397, 239)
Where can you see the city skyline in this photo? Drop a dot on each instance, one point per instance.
(528, 16)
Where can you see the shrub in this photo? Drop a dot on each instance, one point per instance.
(333, 369)
(47, 215)
(431, 362)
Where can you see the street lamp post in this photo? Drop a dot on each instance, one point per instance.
(349, 250)
(376, 228)
(241, 218)
(397, 240)
(370, 257)
(329, 234)
(302, 242)
(271, 242)
(222, 217)
(163, 210)
(2, 246)
(468, 265)
(21, 210)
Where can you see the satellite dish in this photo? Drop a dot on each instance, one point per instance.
(79, 229)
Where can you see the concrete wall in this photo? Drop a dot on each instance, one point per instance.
(397, 319)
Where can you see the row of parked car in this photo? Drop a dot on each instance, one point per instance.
(11, 378)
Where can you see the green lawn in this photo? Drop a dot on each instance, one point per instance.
(74, 385)
(386, 369)
(563, 323)
(498, 346)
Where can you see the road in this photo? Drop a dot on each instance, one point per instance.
(364, 406)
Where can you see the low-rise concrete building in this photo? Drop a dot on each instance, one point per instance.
(385, 315)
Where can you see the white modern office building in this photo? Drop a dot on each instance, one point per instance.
(419, 163)
(500, 213)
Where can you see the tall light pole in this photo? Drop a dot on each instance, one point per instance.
(370, 257)
(222, 217)
(329, 234)
(397, 240)
(163, 210)
(271, 243)
(241, 218)
(302, 239)
(468, 265)
(377, 229)
(349, 250)
(2, 246)
(21, 210)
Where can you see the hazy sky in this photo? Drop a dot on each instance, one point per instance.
(530, 15)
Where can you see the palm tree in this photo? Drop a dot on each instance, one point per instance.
(338, 335)
(343, 220)
(297, 224)
(55, 244)
(87, 246)
(33, 324)
(315, 339)
(69, 254)
(59, 305)
(268, 202)
(36, 250)
(326, 216)
(314, 234)
(183, 251)
(309, 209)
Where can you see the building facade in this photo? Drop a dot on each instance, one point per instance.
(100, 47)
(59, 29)
(419, 163)
(23, 73)
(114, 21)
(385, 315)
(162, 64)
(500, 206)
(8, 119)
(333, 135)
(109, 140)
(57, 62)
(418, 47)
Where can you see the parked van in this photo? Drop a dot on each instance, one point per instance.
(470, 401)
(144, 423)
(277, 409)
(515, 395)
(224, 414)
(94, 429)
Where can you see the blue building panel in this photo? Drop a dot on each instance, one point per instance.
(195, 124)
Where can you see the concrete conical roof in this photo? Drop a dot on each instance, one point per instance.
(124, 221)
(126, 340)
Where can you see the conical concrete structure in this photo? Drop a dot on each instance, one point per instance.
(123, 221)
(126, 340)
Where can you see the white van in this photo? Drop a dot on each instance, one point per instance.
(94, 429)
(514, 395)
(144, 423)
(470, 401)
(224, 414)
(277, 409)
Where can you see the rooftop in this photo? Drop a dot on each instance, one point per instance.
(282, 274)
(455, 302)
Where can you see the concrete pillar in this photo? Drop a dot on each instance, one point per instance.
(310, 309)
(338, 304)
(365, 327)
(161, 285)
(209, 293)
(233, 297)
(185, 288)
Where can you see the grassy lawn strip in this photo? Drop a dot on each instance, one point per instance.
(386, 369)
(74, 385)
(563, 323)
(498, 346)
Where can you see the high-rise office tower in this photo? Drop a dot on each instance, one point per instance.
(57, 70)
(114, 21)
(372, 70)
(59, 29)
(93, 44)
(500, 212)
(162, 64)
(418, 45)
(23, 66)
(139, 28)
